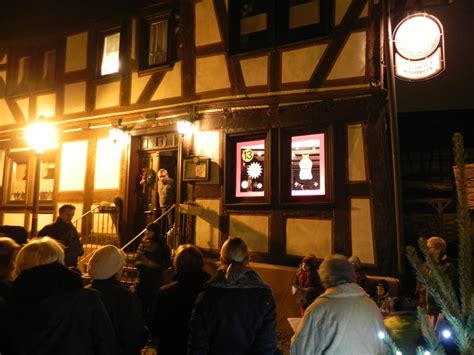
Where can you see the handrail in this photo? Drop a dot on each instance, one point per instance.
(143, 231)
(85, 214)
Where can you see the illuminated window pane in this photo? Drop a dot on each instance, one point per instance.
(73, 166)
(2, 166)
(253, 16)
(250, 162)
(47, 180)
(107, 165)
(110, 56)
(13, 219)
(307, 165)
(18, 182)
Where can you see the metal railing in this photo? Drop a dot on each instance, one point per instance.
(130, 273)
(97, 227)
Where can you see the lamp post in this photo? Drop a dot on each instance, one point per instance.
(184, 128)
(40, 136)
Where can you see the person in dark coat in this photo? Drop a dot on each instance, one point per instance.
(64, 232)
(51, 312)
(8, 251)
(17, 233)
(235, 313)
(174, 305)
(154, 257)
(105, 269)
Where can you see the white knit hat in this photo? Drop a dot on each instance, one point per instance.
(105, 262)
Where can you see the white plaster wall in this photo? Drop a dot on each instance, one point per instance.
(76, 52)
(170, 85)
(252, 228)
(6, 116)
(351, 61)
(309, 236)
(107, 95)
(46, 105)
(207, 30)
(138, 84)
(356, 153)
(24, 105)
(75, 97)
(211, 73)
(255, 71)
(298, 65)
(207, 223)
(361, 230)
(73, 166)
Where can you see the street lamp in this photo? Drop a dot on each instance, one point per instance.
(40, 136)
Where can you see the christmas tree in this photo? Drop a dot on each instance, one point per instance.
(457, 307)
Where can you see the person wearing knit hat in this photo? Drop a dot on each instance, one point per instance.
(306, 284)
(105, 269)
(106, 262)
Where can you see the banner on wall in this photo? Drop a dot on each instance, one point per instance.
(419, 47)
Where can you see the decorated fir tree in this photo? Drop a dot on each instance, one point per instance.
(457, 307)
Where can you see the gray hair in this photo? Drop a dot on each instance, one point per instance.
(335, 270)
(39, 251)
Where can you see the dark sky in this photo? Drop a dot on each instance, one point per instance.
(454, 88)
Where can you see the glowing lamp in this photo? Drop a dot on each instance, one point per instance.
(398, 352)
(419, 47)
(117, 135)
(184, 127)
(41, 136)
(381, 335)
(446, 334)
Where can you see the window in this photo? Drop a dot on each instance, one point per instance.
(307, 177)
(49, 65)
(248, 168)
(110, 59)
(304, 165)
(47, 180)
(260, 24)
(18, 181)
(155, 41)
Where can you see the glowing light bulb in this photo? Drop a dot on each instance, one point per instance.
(398, 352)
(381, 335)
(446, 334)
(426, 353)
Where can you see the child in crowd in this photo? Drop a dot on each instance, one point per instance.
(382, 298)
(362, 279)
(306, 284)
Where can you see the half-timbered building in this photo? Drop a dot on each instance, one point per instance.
(289, 146)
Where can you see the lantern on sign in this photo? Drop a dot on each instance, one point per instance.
(419, 47)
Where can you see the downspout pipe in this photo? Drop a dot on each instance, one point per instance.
(394, 136)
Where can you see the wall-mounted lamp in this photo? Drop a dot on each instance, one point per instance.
(41, 135)
(184, 127)
(118, 135)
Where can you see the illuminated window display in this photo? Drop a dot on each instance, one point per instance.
(47, 181)
(18, 182)
(250, 163)
(307, 165)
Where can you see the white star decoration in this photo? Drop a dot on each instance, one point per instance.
(254, 170)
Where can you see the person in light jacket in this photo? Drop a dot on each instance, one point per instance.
(343, 320)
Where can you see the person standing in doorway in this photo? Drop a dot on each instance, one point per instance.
(166, 195)
(64, 232)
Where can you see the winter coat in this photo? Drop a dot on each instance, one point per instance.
(124, 311)
(343, 320)
(308, 286)
(174, 305)
(234, 314)
(53, 314)
(67, 235)
(154, 257)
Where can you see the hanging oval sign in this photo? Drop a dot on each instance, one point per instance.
(247, 155)
(419, 47)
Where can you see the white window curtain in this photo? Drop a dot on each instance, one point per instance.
(110, 57)
(158, 45)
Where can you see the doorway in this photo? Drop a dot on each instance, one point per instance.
(151, 154)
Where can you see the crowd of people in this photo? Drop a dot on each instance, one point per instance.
(46, 307)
